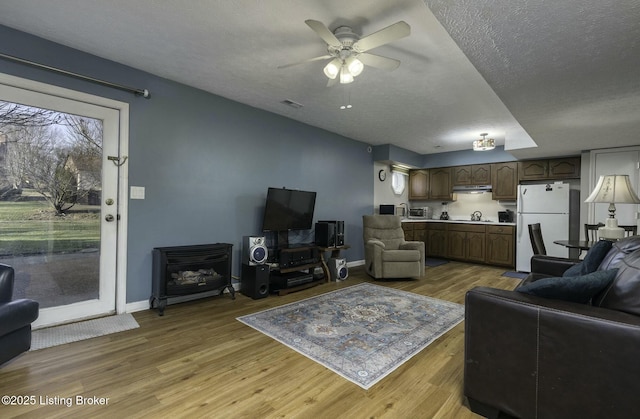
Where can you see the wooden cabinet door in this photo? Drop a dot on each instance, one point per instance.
(457, 245)
(436, 240)
(565, 168)
(440, 184)
(408, 231)
(562, 168)
(461, 175)
(501, 245)
(419, 184)
(476, 247)
(504, 180)
(419, 232)
(481, 174)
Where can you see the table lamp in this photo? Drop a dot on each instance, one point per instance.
(613, 189)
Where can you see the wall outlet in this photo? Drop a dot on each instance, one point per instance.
(136, 192)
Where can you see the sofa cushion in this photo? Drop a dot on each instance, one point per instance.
(624, 292)
(592, 259)
(619, 251)
(579, 289)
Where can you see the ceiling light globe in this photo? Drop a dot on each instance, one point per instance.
(332, 69)
(355, 67)
(345, 76)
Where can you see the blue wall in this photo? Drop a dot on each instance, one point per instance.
(206, 162)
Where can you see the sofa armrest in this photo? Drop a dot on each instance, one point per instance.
(17, 314)
(551, 265)
(530, 356)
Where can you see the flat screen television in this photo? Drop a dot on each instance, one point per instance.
(288, 209)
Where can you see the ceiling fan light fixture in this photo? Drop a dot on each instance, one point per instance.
(354, 65)
(484, 144)
(345, 76)
(332, 69)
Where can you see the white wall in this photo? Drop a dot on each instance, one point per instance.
(382, 191)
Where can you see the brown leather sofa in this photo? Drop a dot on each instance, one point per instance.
(532, 357)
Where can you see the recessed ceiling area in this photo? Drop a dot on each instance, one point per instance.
(559, 75)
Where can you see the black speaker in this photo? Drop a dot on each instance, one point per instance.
(325, 234)
(254, 250)
(254, 282)
(338, 269)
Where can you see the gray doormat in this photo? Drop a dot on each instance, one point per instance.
(59, 335)
(433, 262)
(512, 274)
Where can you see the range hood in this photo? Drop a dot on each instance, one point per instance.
(472, 188)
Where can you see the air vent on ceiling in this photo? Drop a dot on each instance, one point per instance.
(293, 104)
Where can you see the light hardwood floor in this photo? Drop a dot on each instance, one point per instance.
(198, 361)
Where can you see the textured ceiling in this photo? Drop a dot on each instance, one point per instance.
(560, 74)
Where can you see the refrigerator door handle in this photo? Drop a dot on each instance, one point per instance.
(520, 230)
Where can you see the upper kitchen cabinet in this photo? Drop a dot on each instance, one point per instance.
(476, 174)
(440, 184)
(419, 184)
(550, 169)
(504, 180)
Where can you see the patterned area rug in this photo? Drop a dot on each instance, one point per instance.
(363, 332)
(59, 335)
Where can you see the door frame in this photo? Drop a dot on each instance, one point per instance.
(123, 171)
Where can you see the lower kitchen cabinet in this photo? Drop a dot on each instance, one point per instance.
(492, 244)
(436, 240)
(501, 245)
(414, 231)
(466, 242)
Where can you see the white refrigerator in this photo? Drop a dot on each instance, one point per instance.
(547, 204)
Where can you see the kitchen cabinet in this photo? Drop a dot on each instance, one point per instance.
(550, 169)
(466, 242)
(440, 184)
(419, 184)
(501, 245)
(414, 231)
(436, 240)
(476, 174)
(427, 184)
(504, 181)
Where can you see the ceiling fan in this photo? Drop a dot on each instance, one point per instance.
(348, 51)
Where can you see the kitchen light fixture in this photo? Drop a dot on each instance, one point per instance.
(484, 144)
(613, 189)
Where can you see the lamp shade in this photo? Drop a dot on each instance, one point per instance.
(614, 189)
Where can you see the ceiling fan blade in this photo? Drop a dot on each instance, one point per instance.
(383, 36)
(323, 57)
(378, 61)
(323, 32)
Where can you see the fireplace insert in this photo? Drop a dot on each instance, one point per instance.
(188, 270)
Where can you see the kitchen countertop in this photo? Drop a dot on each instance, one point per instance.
(460, 221)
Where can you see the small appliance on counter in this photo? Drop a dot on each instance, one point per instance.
(420, 212)
(505, 216)
(445, 211)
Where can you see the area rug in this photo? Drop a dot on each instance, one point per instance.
(432, 263)
(363, 332)
(59, 335)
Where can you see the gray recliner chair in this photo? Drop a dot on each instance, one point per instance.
(386, 253)
(16, 317)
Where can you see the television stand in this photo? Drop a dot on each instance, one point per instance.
(296, 268)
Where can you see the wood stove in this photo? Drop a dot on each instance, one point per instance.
(188, 270)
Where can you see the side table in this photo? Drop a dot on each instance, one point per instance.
(335, 253)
